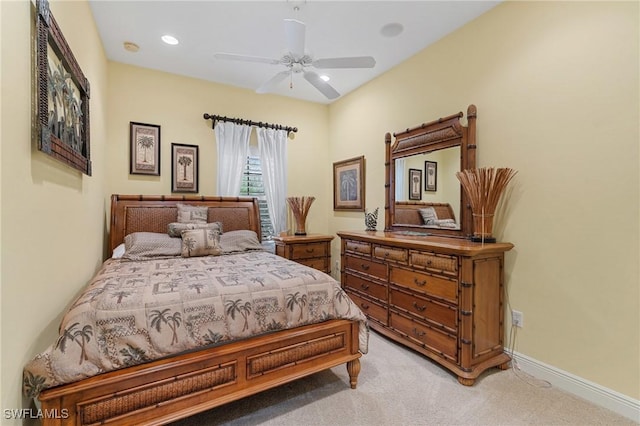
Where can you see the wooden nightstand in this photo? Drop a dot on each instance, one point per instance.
(313, 250)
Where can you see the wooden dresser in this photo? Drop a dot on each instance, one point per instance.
(313, 250)
(440, 296)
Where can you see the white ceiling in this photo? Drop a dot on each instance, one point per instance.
(256, 28)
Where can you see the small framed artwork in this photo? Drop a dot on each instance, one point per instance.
(415, 184)
(62, 96)
(184, 168)
(145, 149)
(348, 184)
(430, 176)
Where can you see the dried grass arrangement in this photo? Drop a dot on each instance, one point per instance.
(300, 208)
(484, 187)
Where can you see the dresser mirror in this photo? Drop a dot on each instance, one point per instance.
(423, 194)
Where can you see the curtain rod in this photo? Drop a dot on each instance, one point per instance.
(248, 122)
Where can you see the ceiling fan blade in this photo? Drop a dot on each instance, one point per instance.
(295, 33)
(321, 85)
(245, 58)
(270, 84)
(348, 62)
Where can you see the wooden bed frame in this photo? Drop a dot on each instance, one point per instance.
(169, 389)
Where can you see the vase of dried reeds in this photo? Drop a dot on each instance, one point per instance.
(300, 208)
(484, 187)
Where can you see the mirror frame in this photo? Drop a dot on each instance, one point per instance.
(443, 133)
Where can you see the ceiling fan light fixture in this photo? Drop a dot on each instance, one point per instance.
(169, 39)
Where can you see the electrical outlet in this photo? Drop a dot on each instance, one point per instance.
(517, 318)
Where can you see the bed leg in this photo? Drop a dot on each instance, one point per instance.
(353, 367)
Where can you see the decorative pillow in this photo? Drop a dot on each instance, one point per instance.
(192, 214)
(175, 228)
(429, 216)
(118, 252)
(200, 242)
(237, 241)
(149, 245)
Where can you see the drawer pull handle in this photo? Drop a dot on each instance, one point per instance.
(420, 283)
(364, 306)
(386, 254)
(364, 286)
(418, 333)
(420, 308)
(364, 266)
(309, 250)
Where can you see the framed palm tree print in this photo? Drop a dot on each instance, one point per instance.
(145, 149)
(184, 168)
(348, 184)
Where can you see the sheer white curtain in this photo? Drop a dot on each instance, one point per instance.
(233, 147)
(401, 165)
(272, 145)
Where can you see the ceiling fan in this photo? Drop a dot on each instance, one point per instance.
(297, 61)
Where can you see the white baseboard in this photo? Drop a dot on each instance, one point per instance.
(593, 392)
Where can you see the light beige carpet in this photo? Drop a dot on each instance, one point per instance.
(397, 386)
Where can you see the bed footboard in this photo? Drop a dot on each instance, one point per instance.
(170, 389)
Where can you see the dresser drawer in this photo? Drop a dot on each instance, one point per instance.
(391, 253)
(358, 247)
(378, 270)
(437, 262)
(437, 313)
(437, 341)
(369, 288)
(370, 309)
(307, 251)
(439, 287)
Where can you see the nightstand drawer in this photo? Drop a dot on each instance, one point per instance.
(320, 264)
(307, 251)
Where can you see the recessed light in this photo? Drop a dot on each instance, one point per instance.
(131, 47)
(392, 30)
(170, 39)
(325, 77)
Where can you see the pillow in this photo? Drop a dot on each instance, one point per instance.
(237, 241)
(428, 215)
(175, 228)
(192, 214)
(118, 252)
(200, 242)
(149, 245)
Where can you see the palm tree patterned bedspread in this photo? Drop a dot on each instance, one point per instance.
(137, 311)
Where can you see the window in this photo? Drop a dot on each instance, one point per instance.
(253, 186)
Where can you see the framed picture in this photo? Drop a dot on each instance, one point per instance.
(62, 96)
(144, 140)
(430, 176)
(348, 184)
(415, 184)
(184, 168)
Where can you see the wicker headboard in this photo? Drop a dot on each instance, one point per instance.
(407, 212)
(153, 213)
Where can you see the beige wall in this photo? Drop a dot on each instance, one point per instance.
(53, 220)
(556, 86)
(177, 104)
